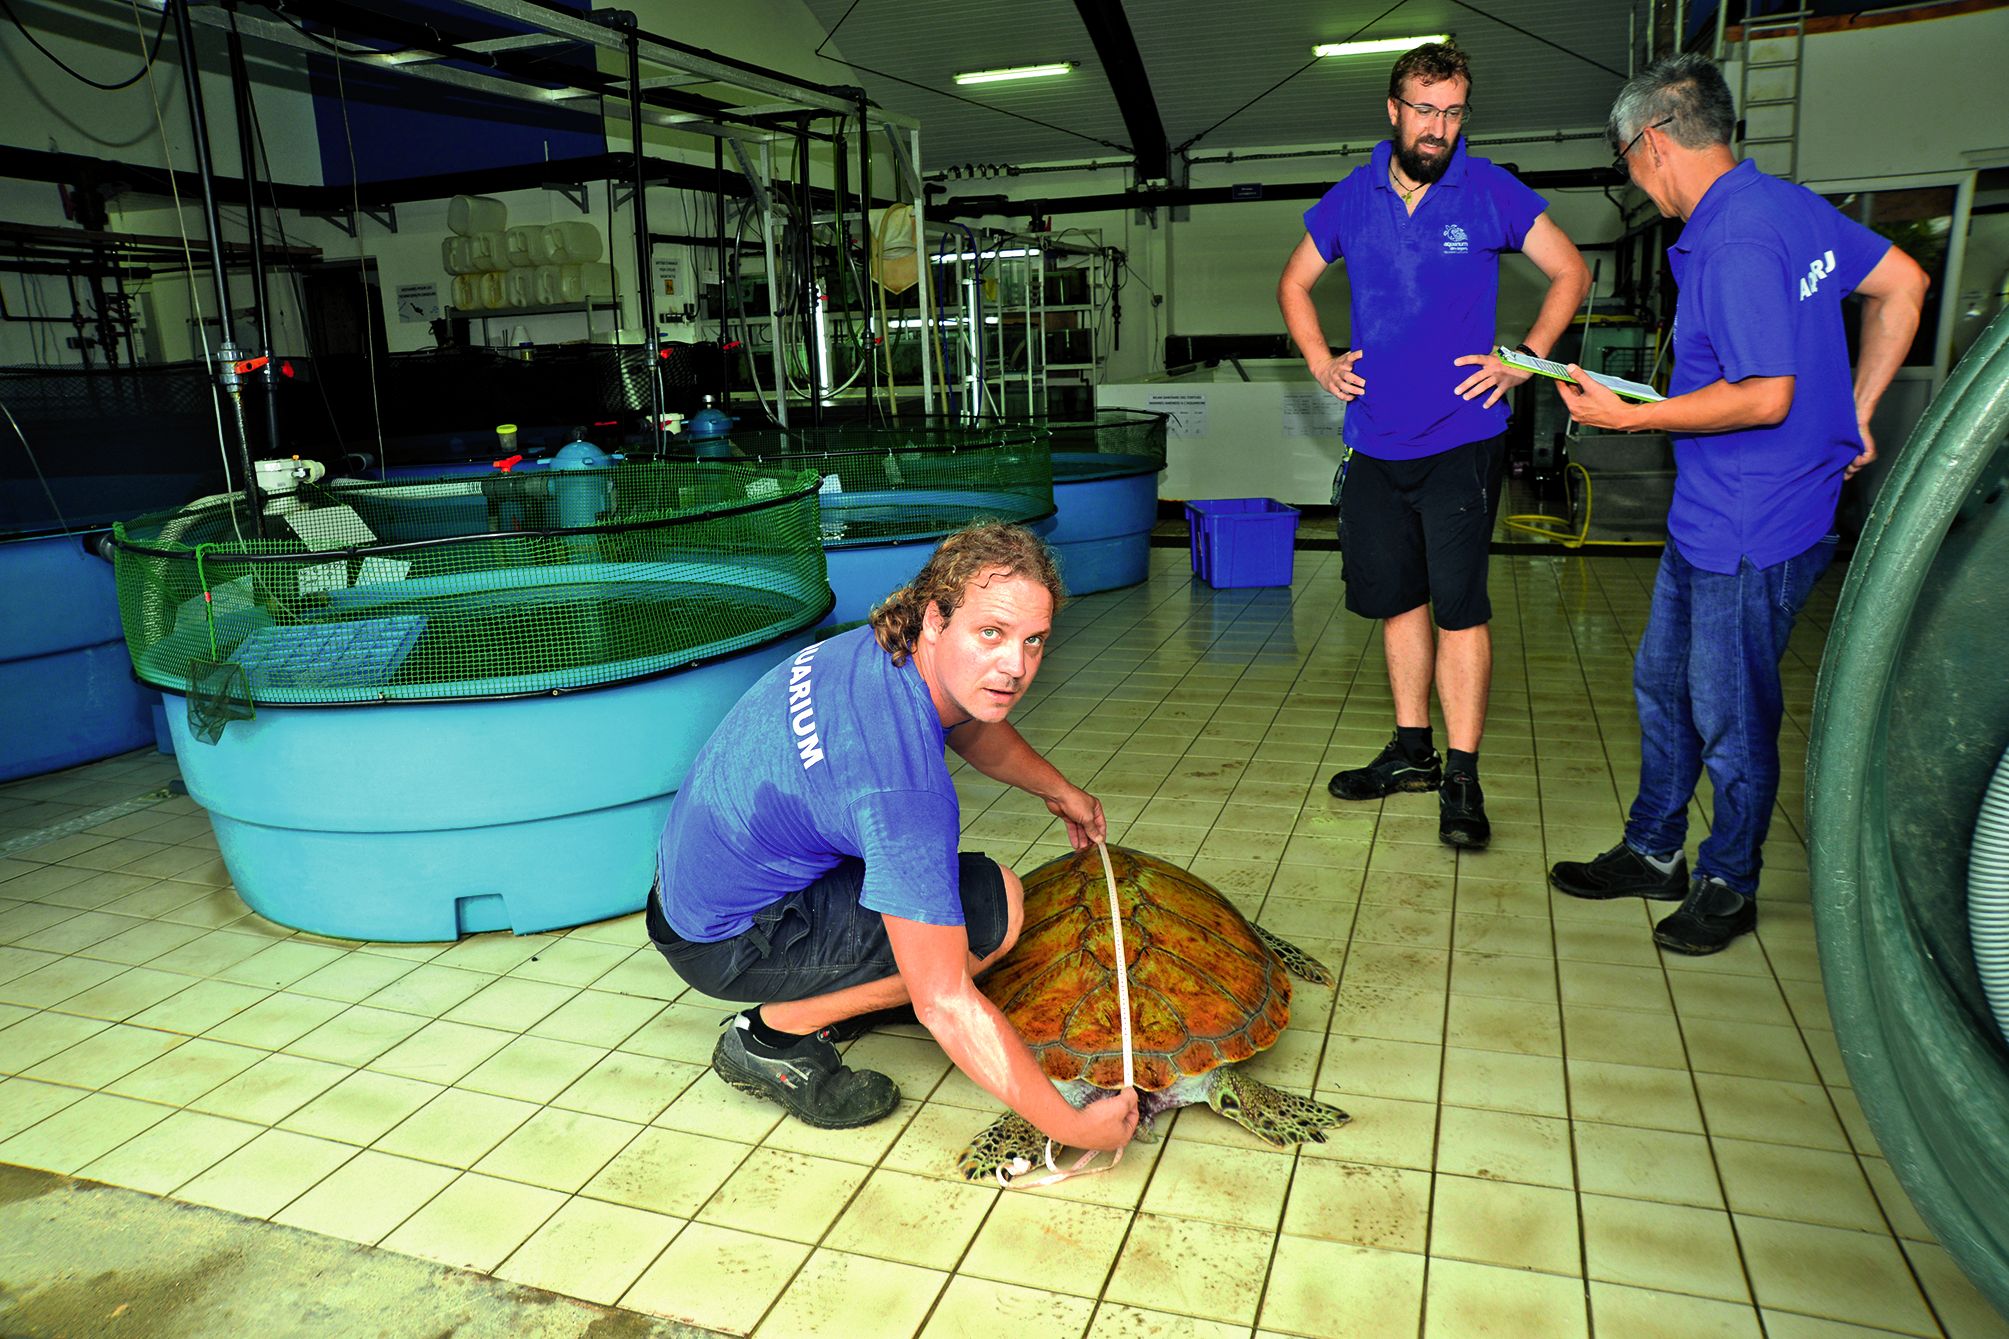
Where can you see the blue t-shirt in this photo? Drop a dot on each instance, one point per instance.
(1426, 290)
(1763, 266)
(835, 752)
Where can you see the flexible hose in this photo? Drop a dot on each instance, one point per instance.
(1555, 527)
(885, 329)
(1988, 895)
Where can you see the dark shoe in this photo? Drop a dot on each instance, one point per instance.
(1620, 872)
(851, 1029)
(1461, 813)
(1714, 914)
(809, 1079)
(1390, 771)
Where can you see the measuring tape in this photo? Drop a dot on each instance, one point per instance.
(1055, 1172)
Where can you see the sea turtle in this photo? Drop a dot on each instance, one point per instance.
(1207, 990)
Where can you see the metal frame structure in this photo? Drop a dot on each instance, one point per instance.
(657, 97)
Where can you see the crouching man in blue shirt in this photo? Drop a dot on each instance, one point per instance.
(809, 864)
(1767, 423)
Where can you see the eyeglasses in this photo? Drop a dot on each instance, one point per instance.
(1452, 115)
(1619, 164)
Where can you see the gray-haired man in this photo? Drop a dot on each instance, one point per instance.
(1767, 422)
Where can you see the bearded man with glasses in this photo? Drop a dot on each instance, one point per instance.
(1422, 227)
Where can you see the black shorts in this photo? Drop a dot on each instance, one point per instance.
(821, 939)
(1417, 531)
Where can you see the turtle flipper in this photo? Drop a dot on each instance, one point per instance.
(1295, 960)
(1272, 1115)
(1000, 1148)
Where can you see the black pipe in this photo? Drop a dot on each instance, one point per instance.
(807, 303)
(840, 238)
(226, 356)
(699, 241)
(126, 317)
(979, 206)
(76, 322)
(724, 254)
(261, 295)
(108, 330)
(865, 236)
(645, 279)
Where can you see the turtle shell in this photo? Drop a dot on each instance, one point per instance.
(1204, 990)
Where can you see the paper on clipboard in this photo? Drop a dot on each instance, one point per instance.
(1631, 390)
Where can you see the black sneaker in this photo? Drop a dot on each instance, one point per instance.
(1461, 813)
(1621, 872)
(851, 1029)
(1714, 914)
(808, 1078)
(1391, 770)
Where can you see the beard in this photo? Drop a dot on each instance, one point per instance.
(1419, 168)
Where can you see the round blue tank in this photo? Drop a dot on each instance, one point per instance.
(524, 815)
(478, 728)
(1104, 508)
(67, 692)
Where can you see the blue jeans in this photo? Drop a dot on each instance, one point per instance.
(1707, 682)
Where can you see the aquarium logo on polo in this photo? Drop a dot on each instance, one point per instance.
(1816, 272)
(802, 708)
(1455, 241)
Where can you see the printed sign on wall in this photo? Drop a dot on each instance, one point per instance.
(1187, 408)
(418, 302)
(1311, 414)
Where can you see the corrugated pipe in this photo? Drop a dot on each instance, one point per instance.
(1988, 895)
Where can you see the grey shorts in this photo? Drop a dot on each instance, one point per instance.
(821, 939)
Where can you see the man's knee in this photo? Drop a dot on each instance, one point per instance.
(1014, 891)
(1014, 908)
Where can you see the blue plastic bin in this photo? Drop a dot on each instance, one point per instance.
(1242, 541)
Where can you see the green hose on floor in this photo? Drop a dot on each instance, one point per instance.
(1910, 720)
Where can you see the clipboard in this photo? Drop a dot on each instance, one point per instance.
(1631, 390)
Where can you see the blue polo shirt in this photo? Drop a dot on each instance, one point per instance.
(1763, 266)
(1426, 291)
(835, 752)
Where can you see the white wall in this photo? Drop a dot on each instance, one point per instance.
(46, 109)
(1873, 105)
(146, 124)
(1904, 98)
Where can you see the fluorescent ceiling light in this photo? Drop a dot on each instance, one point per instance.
(1378, 46)
(1016, 72)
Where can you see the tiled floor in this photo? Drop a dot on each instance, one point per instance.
(1556, 1130)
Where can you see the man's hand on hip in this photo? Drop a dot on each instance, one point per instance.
(1337, 376)
(1493, 375)
(1869, 448)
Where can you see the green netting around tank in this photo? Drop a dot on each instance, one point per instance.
(885, 485)
(1114, 444)
(510, 584)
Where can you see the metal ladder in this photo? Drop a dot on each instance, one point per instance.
(1769, 93)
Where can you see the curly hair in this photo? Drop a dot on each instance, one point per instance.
(946, 577)
(1433, 62)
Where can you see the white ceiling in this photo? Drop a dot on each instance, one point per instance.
(1204, 59)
